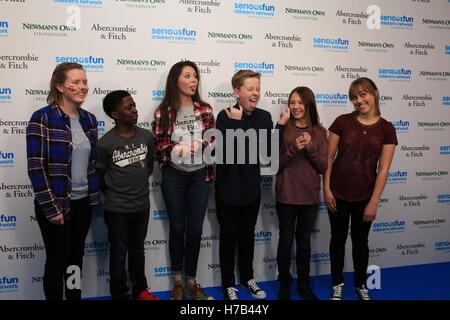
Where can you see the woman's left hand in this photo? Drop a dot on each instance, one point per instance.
(370, 213)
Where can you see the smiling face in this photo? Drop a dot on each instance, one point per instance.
(248, 94)
(364, 101)
(296, 106)
(74, 89)
(126, 112)
(187, 82)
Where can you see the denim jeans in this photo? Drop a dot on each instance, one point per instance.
(64, 246)
(126, 234)
(339, 222)
(237, 227)
(295, 221)
(186, 197)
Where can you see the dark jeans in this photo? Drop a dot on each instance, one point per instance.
(126, 234)
(339, 222)
(186, 197)
(64, 246)
(295, 221)
(237, 226)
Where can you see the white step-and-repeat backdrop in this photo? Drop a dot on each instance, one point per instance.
(404, 46)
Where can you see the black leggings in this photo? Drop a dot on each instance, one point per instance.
(339, 222)
(64, 246)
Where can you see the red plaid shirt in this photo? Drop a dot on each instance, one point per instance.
(163, 143)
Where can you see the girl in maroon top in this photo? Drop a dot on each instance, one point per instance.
(355, 179)
(303, 158)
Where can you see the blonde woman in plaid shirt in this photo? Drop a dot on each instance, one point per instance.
(61, 143)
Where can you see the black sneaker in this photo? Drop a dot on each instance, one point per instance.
(362, 293)
(337, 292)
(230, 293)
(305, 292)
(255, 291)
(285, 291)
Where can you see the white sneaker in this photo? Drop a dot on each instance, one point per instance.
(255, 291)
(230, 293)
(362, 293)
(337, 292)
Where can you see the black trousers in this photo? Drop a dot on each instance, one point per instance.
(64, 246)
(126, 235)
(339, 222)
(237, 227)
(295, 221)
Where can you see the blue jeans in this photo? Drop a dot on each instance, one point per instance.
(126, 234)
(186, 197)
(295, 221)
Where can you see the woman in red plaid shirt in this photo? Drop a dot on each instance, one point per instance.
(178, 128)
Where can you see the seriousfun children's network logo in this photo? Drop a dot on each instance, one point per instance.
(332, 99)
(401, 126)
(260, 67)
(160, 215)
(395, 74)
(397, 22)
(96, 248)
(4, 28)
(266, 182)
(389, 226)
(397, 177)
(446, 101)
(89, 63)
(444, 150)
(442, 246)
(162, 271)
(254, 9)
(8, 284)
(158, 95)
(320, 257)
(7, 222)
(5, 95)
(263, 237)
(447, 49)
(174, 34)
(101, 127)
(336, 44)
(6, 159)
(323, 206)
(83, 3)
(443, 198)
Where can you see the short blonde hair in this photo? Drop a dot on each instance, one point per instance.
(239, 77)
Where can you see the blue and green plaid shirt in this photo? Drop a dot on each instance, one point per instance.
(49, 156)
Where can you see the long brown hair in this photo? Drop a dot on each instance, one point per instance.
(311, 114)
(172, 95)
(59, 76)
(367, 85)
